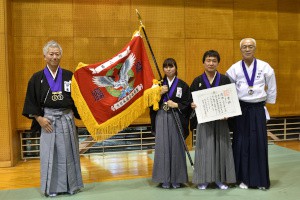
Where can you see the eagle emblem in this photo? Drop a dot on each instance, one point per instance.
(117, 80)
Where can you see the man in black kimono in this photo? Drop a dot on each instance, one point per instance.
(48, 102)
(213, 154)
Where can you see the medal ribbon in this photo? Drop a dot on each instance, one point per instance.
(55, 85)
(250, 82)
(206, 81)
(171, 90)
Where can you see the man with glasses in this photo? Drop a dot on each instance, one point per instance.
(256, 85)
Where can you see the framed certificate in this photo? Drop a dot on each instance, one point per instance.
(216, 103)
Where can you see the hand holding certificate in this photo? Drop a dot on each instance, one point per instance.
(216, 103)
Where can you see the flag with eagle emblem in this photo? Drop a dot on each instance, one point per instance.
(110, 95)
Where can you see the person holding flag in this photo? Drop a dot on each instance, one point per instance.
(213, 153)
(170, 160)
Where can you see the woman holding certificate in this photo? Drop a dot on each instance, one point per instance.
(169, 160)
(213, 153)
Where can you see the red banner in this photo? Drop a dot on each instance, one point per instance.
(110, 95)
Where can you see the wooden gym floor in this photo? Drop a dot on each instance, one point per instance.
(95, 168)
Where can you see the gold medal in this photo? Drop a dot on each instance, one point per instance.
(166, 107)
(57, 96)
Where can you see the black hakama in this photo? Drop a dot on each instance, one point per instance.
(250, 146)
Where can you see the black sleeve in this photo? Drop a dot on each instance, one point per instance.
(152, 118)
(32, 104)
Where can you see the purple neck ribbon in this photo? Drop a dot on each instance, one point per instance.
(250, 81)
(56, 84)
(206, 81)
(171, 90)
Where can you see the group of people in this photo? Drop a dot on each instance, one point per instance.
(48, 102)
(217, 160)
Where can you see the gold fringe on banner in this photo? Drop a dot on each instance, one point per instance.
(117, 123)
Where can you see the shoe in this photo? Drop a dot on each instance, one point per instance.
(53, 195)
(243, 186)
(165, 185)
(262, 188)
(222, 186)
(202, 186)
(176, 185)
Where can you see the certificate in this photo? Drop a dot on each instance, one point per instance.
(216, 103)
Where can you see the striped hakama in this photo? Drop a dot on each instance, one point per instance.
(169, 159)
(250, 146)
(59, 154)
(213, 154)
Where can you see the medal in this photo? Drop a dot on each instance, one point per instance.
(250, 91)
(166, 107)
(250, 81)
(57, 96)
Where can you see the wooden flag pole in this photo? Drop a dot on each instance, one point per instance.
(160, 76)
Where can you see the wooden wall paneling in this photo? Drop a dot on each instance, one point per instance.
(195, 48)
(257, 19)
(8, 142)
(289, 20)
(288, 78)
(2, 18)
(102, 18)
(163, 19)
(209, 19)
(42, 18)
(4, 99)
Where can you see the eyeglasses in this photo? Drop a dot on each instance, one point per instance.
(250, 47)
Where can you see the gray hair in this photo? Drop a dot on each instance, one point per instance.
(52, 44)
(253, 40)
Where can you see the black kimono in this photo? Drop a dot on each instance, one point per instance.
(170, 160)
(36, 100)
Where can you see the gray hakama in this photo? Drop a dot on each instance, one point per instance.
(59, 154)
(169, 159)
(213, 154)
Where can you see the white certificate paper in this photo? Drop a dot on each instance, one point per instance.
(216, 103)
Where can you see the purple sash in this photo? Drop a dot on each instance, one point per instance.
(56, 84)
(171, 90)
(206, 81)
(249, 81)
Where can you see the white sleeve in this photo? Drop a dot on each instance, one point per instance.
(272, 88)
(231, 74)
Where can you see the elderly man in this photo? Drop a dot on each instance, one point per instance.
(256, 85)
(48, 102)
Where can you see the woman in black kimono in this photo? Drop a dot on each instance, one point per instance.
(213, 153)
(48, 102)
(169, 160)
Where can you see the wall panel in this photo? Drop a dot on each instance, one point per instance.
(289, 20)
(209, 19)
(257, 19)
(42, 18)
(288, 78)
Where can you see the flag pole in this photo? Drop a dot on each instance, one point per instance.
(160, 76)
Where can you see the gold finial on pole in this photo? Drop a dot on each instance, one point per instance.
(139, 17)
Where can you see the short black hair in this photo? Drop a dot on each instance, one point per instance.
(211, 53)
